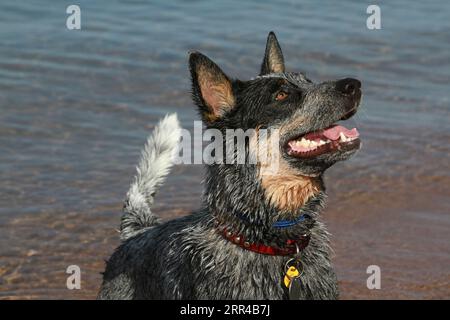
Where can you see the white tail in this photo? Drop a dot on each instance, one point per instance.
(154, 165)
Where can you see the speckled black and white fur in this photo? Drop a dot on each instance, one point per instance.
(188, 258)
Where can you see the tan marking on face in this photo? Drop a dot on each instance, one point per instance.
(287, 189)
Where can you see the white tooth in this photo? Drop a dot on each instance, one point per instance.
(321, 143)
(304, 142)
(343, 138)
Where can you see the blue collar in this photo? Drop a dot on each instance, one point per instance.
(281, 224)
(289, 223)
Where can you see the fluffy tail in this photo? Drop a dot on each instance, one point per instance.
(154, 166)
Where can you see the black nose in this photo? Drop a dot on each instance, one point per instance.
(348, 86)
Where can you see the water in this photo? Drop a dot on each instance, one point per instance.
(76, 107)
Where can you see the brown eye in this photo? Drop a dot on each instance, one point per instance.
(281, 95)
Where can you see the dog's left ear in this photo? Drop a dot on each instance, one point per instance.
(212, 90)
(273, 58)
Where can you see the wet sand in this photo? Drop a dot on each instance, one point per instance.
(75, 109)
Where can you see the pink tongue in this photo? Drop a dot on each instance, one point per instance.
(333, 132)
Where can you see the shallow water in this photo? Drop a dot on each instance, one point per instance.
(76, 107)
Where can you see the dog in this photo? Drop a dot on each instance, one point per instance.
(256, 235)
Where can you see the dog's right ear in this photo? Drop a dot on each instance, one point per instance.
(273, 58)
(212, 90)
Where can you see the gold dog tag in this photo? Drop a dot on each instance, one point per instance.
(291, 273)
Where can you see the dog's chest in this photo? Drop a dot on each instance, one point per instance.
(203, 265)
(241, 274)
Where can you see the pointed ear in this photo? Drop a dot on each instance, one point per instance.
(211, 88)
(273, 58)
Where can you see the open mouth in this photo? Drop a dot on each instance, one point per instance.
(333, 138)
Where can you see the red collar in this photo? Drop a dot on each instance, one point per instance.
(292, 246)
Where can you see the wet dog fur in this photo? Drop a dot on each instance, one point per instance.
(187, 258)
